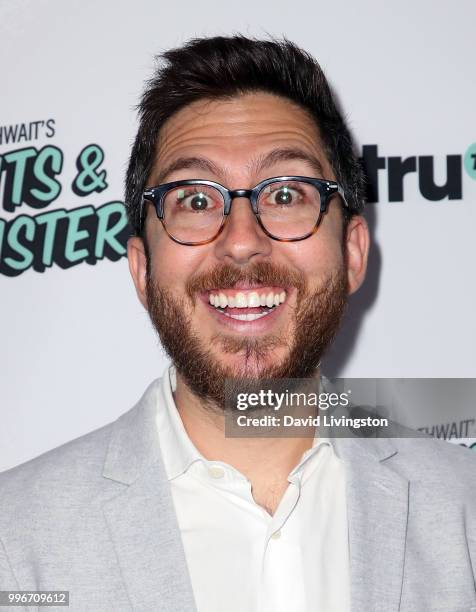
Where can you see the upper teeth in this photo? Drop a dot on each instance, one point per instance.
(250, 299)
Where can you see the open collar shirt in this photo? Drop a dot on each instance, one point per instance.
(239, 557)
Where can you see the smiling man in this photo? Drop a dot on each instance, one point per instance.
(245, 198)
(250, 293)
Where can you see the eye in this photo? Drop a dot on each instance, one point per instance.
(282, 195)
(197, 199)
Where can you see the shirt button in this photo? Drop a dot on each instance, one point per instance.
(276, 535)
(216, 472)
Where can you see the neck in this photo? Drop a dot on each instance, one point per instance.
(266, 462)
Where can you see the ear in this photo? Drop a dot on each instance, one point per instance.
(138, 267)
(357, 242)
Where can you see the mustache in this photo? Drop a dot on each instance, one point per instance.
(225, 276)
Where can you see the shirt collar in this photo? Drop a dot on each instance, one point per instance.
(178, 450)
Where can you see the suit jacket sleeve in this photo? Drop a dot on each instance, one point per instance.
(8, 582)
(471, 537)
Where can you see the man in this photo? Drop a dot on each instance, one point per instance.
(245, 198)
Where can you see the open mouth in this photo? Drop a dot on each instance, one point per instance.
(247, 305)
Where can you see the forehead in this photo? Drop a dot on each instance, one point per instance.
(235, 132)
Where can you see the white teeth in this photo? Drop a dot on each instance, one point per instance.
(254, 300)
(223, 301)
(248, 316)
(240, 300)
(247, 300)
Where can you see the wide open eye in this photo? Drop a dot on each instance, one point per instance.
(193, 213)
(289, 209)
(284, 195)
(195, 199)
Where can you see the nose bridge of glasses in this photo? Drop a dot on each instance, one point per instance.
(240, 193)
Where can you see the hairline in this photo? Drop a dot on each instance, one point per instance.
(319, 140)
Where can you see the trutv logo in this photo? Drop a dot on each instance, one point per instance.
(433, 188)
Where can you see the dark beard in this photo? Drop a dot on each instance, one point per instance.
(317, 319)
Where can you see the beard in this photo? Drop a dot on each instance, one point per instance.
(317, 317)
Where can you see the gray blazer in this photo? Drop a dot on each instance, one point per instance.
(95, 517)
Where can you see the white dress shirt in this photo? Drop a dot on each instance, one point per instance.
(242, 559)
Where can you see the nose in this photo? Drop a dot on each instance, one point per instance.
(242, 238)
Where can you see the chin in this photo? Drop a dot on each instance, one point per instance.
(241, 365)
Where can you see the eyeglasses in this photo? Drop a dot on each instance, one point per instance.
(287, 208)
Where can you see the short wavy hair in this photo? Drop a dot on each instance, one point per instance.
(223, 67)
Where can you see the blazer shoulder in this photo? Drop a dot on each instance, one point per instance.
(441, 461)
(76, 459)
(66, 487)
(79, 460)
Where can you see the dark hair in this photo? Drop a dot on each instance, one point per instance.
(222, 67)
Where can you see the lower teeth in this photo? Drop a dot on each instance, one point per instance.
(247, 316)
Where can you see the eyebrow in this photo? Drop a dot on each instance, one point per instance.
(184, 163)
(287, 154)
(257, 165)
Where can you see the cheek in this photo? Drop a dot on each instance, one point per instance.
(317, 256)
(173, 264)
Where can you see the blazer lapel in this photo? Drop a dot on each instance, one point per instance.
(377, 507)
(141, 518)
(143, 524)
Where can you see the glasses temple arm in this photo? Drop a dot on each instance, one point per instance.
(340, 191)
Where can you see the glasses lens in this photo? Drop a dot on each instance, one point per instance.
(193, 213)
(289, 209)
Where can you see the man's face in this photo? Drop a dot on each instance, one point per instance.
(231, 142)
